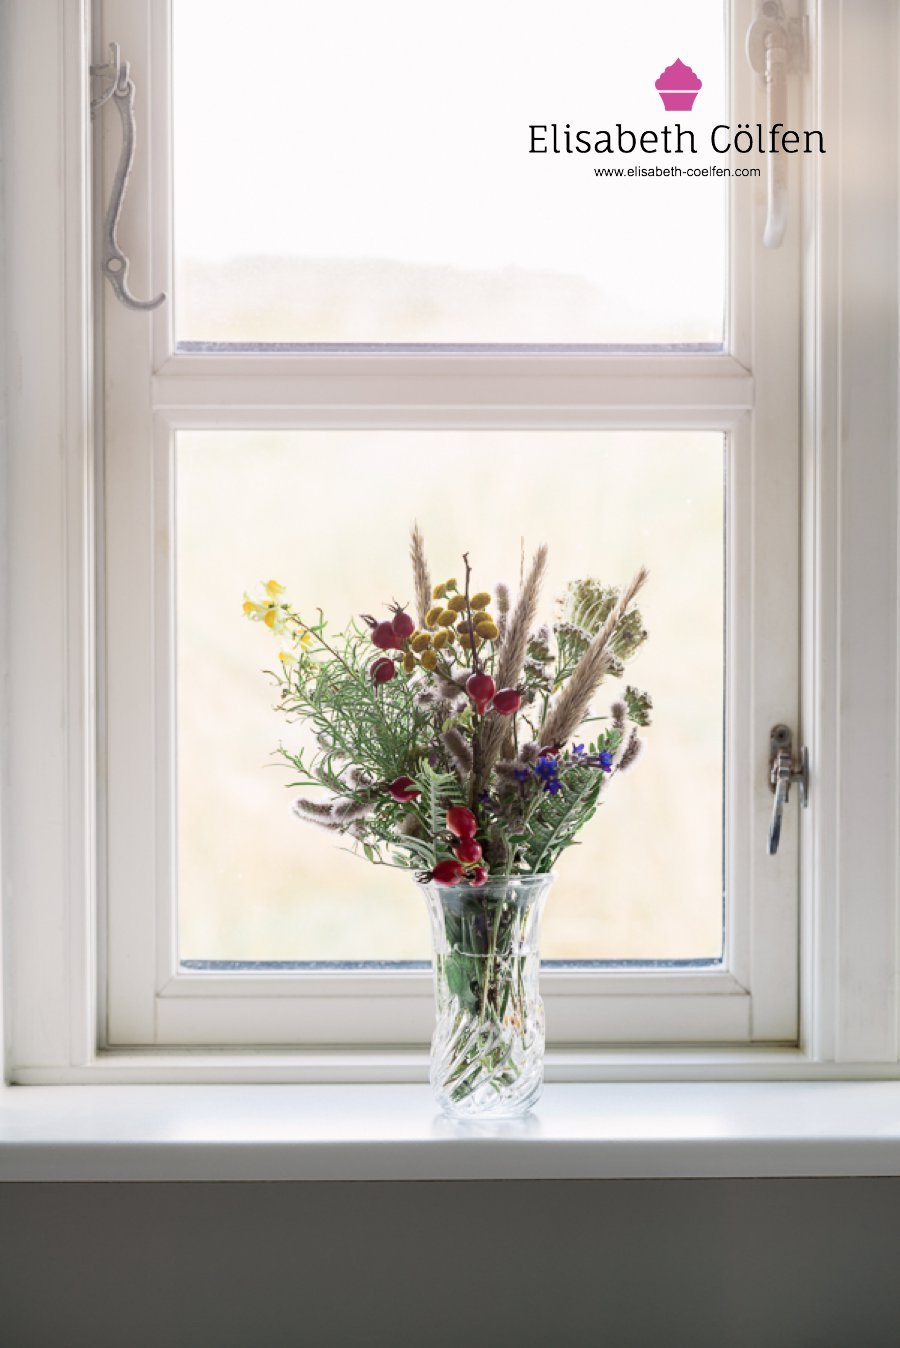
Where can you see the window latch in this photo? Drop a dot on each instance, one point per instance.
(776, 46)
(119, 88)
(783, 771)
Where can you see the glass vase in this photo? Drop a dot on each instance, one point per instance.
(487, 1051)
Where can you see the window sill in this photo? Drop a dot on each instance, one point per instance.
(375, 1132)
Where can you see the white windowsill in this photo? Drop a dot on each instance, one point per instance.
(368, 1132)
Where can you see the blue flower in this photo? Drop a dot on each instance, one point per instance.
(578, 751)
(521, 774)
(604, 760)
(547, 767)
(553, 786)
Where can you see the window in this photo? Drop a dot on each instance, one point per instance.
(703, 379)
(258, 403)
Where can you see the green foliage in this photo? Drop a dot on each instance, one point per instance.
(558, 818)
(366, 735)
(376, 727)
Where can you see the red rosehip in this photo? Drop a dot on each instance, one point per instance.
(447, 873)
(383, 670)
(404, 788)
(478, 877)
(481, 688)
(549, 751)
(384, 636)
(461, 821)
(467, 850)
(403, 625)
(507, 702)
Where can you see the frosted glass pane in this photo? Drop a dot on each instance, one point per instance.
(328, 514)
(359, 172)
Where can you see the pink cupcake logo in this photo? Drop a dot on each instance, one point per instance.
(678, 87)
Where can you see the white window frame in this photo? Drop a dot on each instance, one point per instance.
(62, 929)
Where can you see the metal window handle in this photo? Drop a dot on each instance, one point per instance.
(775, 46)
(782, 772)
(121, 90)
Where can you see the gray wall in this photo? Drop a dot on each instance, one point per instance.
(663, 1263)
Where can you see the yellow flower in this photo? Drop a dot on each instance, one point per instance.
(409, 662)
(481, 618)
(439, 591)
(441, 639)
(457, 603)
(447, 617)
(450, 584)
(420, 641)
(287, 658)
(431, 617)
(306, 640)
(270, 609)
(487, 629)
(466, 641)
(481, 599)
(275, 617)
(429, 659)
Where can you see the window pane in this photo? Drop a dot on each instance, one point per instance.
(358, 172)
(328, 514)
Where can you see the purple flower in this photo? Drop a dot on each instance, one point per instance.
(604, 760)
(553, 786)
(547, 768)
(521, 774)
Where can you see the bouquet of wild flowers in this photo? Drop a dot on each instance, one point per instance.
(449, 740)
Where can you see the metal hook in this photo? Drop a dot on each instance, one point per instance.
(782, 772)
(111, 68)
(114, 262)
(775, 46)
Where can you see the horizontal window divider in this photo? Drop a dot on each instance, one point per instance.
(348, 415)
(418, 982)
(675, 365)
(641, 386)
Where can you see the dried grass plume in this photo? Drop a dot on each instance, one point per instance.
(512, 658)
(421, 576)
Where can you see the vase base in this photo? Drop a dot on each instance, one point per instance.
(474, 1112)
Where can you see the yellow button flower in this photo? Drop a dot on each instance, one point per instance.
(429, 660)
(431, 617)
(441, 639)
(487, 629)
(457, 603)
(481, 599)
